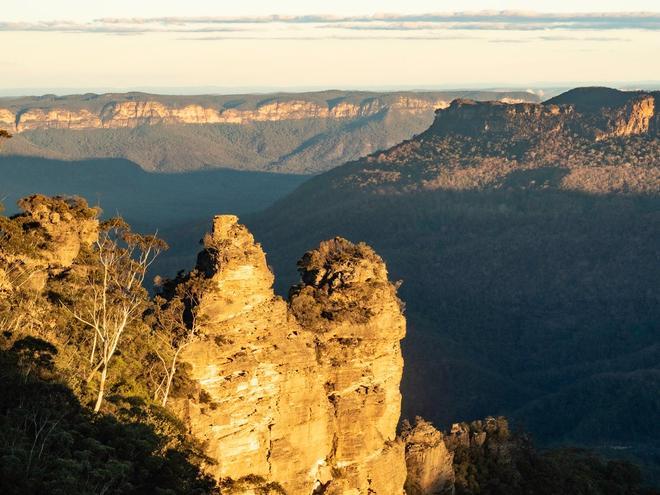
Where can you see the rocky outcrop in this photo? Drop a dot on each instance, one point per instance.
(634, 115)
(429, 463)
(592, 140)
(290, 133)
(7, 120)
(66, 228)
(633, 118)
(52, 233)
(473, 118)
(442, 463)
(304, 397)
(346, 300)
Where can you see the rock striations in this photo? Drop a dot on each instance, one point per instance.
(291, 133)
(129, 110)
(594, 140)
(302, 397)
(115, 115)
(428, 461)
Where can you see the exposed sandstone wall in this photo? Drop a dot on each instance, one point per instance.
(67, 225)
(122, 114)
(635, 117)
(476, 118)
(346, 300)
(310, 407)
(428, 461)
(67, 231)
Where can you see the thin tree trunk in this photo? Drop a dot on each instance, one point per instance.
(93, 372)
(91, 357)
(99, 399)
(170, 377)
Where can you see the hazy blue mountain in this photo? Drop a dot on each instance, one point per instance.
(179, 206)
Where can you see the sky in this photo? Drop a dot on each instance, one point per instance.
(262, 45)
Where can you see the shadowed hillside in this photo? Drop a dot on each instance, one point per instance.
(527, 238)
(175, 205)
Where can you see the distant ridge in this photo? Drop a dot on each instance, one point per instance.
(280, 132)
(526, 238)
(595, 98)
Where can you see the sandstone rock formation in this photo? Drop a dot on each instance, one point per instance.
(121, 114)
(347, 301)
(67, 231)
(136, 109)
(429, 463)
(592, 140)
(291, 133)
(307, 398)
(633, 118)
(67, 224)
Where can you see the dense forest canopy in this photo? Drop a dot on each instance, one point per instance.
(526, 238)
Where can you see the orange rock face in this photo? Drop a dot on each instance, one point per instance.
(123, 114)
(137, 113)
(428, 461)
(69, 226)
(633, 118)
(304, 396)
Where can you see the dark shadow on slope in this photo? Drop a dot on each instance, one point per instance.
(50, 444)
(526, 301)
(180, 206)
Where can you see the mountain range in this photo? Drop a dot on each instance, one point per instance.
(525, 234)
(526, 238)
(286, 132)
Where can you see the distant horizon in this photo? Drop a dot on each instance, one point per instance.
(537, 88)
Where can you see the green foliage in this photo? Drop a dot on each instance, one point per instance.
(50, 444)
(253, 483)
(491, 460)
(175, 324)
(72, 206)
(339, 281)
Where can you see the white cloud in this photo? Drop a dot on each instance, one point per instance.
(272, 27)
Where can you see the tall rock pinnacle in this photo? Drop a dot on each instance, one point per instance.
(303, 397)
(346, 300)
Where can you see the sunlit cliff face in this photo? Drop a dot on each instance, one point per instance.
(307, 395)
(128, 114)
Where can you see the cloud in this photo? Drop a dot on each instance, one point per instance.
(330, 37)
(487, 20)
(280, 27)
(561, 38)
(102, 28)
(587, 38)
